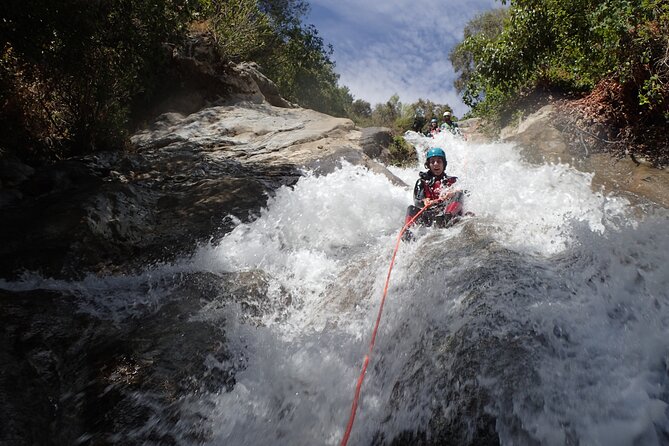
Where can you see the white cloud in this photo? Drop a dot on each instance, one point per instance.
(396, 46)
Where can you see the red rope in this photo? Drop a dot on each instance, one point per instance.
(354, 406)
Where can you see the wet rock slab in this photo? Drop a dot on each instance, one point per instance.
(76, 371)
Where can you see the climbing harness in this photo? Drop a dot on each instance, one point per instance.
(354, 406)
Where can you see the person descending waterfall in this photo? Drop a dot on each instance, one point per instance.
(450, 125)
(434, 128)
(434, 188)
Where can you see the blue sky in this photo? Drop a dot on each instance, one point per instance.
(396, 46)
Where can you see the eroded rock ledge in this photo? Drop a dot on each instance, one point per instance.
(114, 212)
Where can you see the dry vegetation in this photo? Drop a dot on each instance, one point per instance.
(610, 120)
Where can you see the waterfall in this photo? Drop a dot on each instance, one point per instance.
(564, 272)
(543, 317)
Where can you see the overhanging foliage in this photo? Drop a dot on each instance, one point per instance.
(567, 44)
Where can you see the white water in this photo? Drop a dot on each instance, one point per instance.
(328, 241)
(593, 285)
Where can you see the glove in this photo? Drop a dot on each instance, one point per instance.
(447, 195)
(429, 202)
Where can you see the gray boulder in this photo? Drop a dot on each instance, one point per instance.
(375, 142)
(116, 212)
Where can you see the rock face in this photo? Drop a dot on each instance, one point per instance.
(375, 142)
(109, 212)
(542, 141)
(200, 79)
(70, 377)
(472, 129)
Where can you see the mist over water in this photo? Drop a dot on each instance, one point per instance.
(559, 289)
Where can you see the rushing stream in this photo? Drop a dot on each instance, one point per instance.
(544, 317)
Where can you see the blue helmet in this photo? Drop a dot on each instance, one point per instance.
(435, 151)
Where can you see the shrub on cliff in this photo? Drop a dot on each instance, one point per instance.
(69, 69)
(290, 53)
(568, 44)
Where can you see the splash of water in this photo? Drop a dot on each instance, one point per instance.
(566, 291)
(328, 241)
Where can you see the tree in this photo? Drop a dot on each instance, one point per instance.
(241, 29)
(70, 68)
(484, 27)
(361, 108)
(386, 114)
(295, 57)
(569, 44)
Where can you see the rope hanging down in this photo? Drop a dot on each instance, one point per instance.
(354, 406)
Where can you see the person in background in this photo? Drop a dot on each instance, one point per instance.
(434, 128)
(434, 188)
(449, 124)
